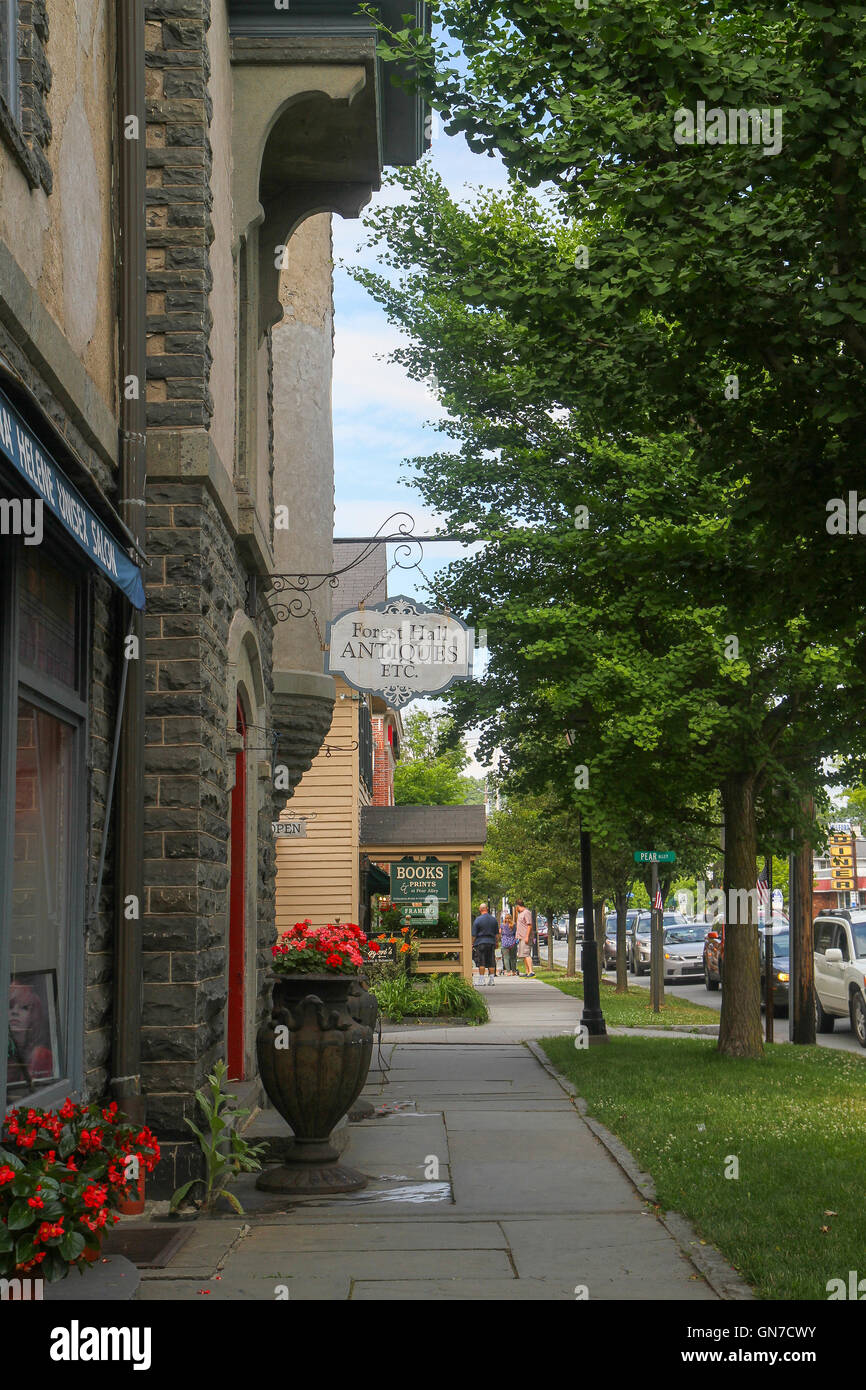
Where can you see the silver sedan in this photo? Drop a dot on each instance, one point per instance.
(684, 950)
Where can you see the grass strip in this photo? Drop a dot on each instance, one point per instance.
(633, 1010)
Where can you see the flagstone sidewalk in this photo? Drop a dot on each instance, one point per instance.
(485, 1183)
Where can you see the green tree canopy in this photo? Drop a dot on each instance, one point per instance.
(430, 770)
(635, 576)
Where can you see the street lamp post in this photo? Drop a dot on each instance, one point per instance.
(592, 1017)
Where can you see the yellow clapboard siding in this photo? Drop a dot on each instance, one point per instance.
(317, 877)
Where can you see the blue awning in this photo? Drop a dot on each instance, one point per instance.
(19, 445)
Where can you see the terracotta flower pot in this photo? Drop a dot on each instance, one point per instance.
(314, 1054)
(133, 1205)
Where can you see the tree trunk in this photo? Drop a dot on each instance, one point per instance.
(571, 962)
(550, 940)
(802, 938)
(621, 905)
(740, 1024)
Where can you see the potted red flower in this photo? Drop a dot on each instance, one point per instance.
(314, 1050)
(63, 1176)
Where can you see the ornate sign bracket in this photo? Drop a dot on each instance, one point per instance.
(289, 594)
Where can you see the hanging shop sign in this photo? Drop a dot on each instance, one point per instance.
(296, 828)
(399, 649)
(414, 880)
(19, 445)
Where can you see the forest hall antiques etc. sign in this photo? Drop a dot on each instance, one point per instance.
(399, 649)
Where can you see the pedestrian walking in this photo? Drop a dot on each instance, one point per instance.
(485, 929)
(509, 944)
(523, 932)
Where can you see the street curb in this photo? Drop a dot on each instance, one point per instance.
(722, 1278)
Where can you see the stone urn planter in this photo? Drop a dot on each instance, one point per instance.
(363, 1006)
(314, 1053)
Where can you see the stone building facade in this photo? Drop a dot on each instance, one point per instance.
(60, 616)
(258, 124)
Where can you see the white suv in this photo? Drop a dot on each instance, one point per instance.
(840, 970)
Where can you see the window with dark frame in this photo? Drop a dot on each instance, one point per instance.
(9, 55)
(43, 691)
(365, 745)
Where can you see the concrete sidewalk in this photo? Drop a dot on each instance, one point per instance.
(485, 1183)
(519, 1011)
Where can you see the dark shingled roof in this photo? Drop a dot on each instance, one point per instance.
(356, 584)
(423, 825)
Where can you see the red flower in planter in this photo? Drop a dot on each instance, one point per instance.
(50, 1230)
(29, 1264)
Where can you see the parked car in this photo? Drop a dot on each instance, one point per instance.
(781, 968)
(541, 930)
(610, 937)
(712, 956)
(840, 970)
(714, 951)
(674, 919)
(639, 943)
(560, 928)
(684, 950)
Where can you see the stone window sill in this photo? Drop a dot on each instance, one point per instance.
(11, 135)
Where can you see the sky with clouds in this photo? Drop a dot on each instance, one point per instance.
(381, 417)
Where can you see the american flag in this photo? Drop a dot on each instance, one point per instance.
(763, 887)
(657, 900)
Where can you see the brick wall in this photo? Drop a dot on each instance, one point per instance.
(179, 201)
(383, 764)
(196, 583)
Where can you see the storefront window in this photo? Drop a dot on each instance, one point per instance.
(44, 845)
(40, 899)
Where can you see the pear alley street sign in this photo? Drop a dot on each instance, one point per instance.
(399, 649)
(655, 856)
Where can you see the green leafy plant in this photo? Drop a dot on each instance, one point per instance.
(453, 995)
(63, 1175)
(226, 1153)
(445, 995)
(396, 997)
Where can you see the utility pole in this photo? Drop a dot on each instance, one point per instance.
(801, 1025)
(657, 965)
(768, 956)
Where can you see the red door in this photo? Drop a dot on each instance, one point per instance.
(237, 910)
